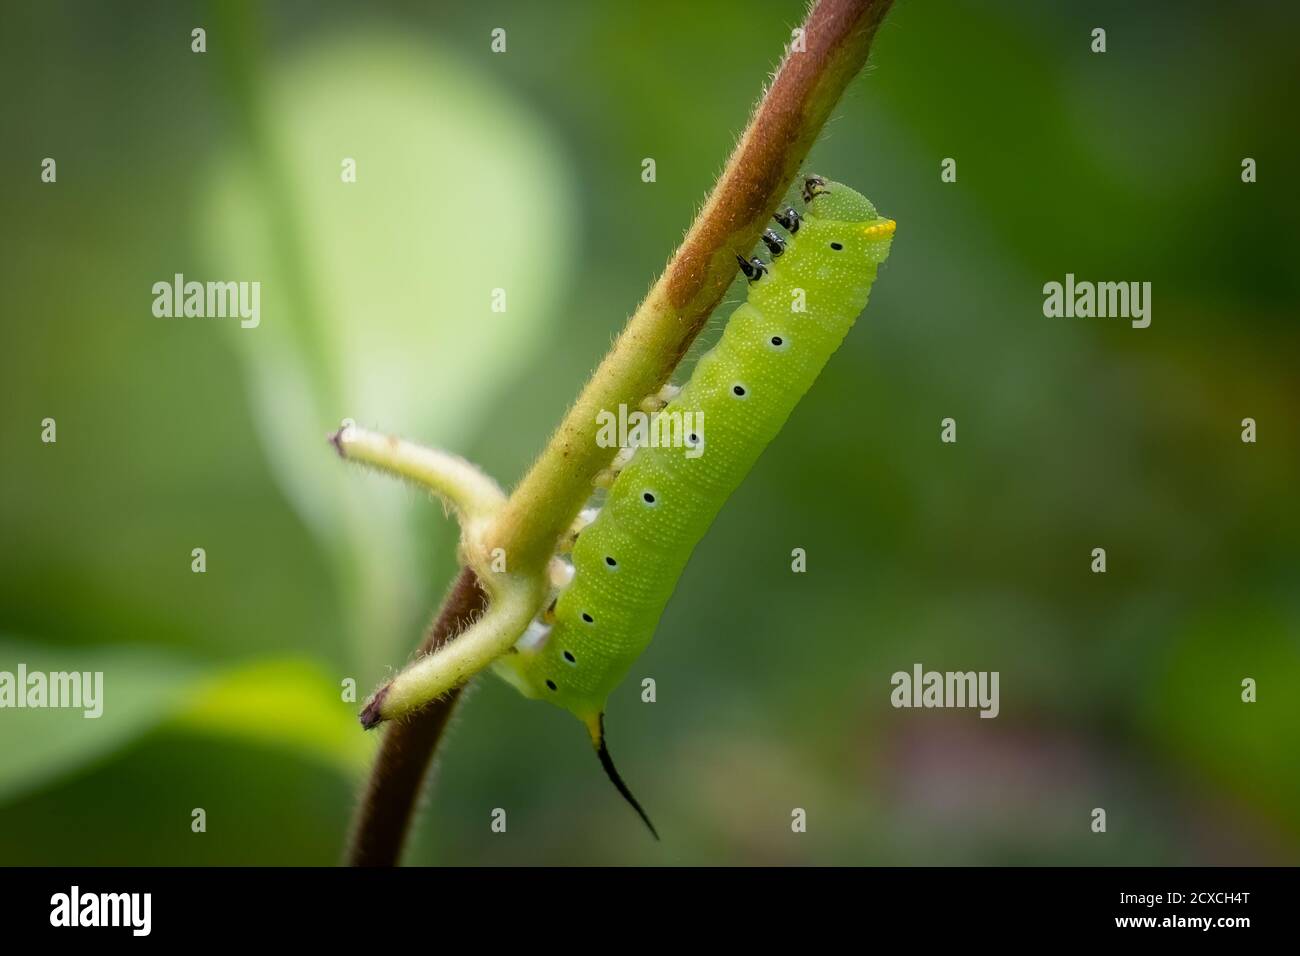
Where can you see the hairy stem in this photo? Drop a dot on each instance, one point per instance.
(384, 814)
(836, 39)
(514, 602)
(452, 478)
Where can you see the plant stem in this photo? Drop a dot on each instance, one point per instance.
(837, 37)
(384, 816)
(457, 482)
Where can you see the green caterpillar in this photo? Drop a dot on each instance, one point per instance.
(627, 560)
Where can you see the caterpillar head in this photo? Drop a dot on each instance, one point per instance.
(853, 223)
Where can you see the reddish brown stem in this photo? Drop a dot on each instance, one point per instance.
(386, 809)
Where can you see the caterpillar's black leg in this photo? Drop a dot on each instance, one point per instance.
(813, 186)
(753, 268)
(775, 244)
(788, 220)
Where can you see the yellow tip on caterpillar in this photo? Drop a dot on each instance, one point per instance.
(595, 727)
(880, 230)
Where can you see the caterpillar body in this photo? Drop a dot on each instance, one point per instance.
(626, 562)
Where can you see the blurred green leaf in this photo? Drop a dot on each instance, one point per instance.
(281, 703)
(286, 703)
(377, 295)
(141, 687)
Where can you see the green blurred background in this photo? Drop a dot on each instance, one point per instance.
(522, 171)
